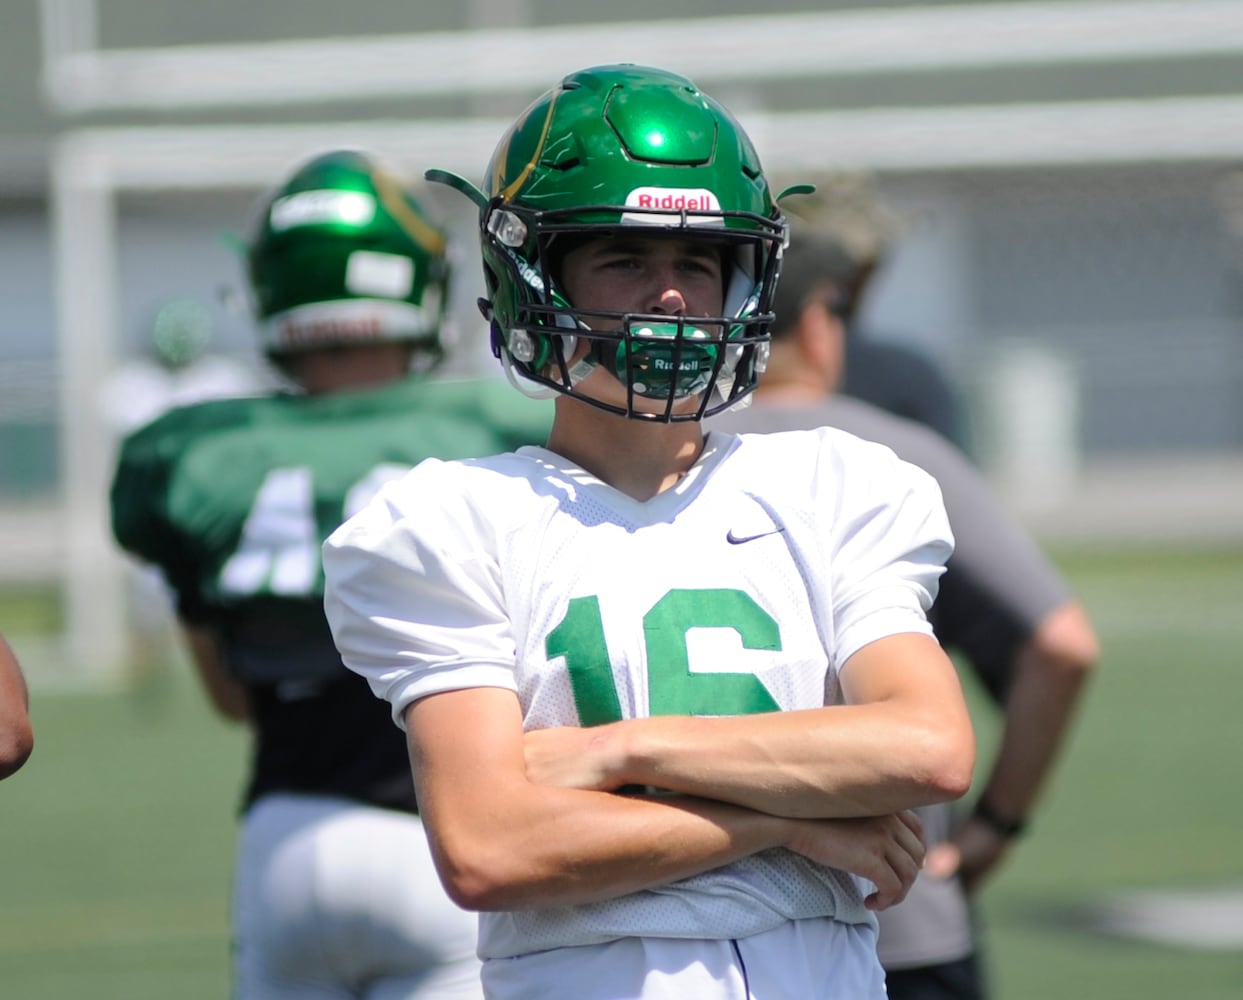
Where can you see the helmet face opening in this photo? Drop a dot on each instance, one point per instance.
(623, 151)
(343, 254)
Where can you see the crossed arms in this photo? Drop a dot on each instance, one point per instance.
(527, 821)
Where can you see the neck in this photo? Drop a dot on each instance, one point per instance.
(639, 458)
(349, 369)
(794, 377)
(792, 386)
(792, 393)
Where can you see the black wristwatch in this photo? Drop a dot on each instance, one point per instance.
(1002, 825)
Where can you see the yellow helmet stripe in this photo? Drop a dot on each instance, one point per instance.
(417, 228)
(503, 153)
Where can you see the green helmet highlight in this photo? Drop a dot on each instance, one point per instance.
(342, 253)
(620, 149)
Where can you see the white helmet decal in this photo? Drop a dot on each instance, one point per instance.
(669, 200)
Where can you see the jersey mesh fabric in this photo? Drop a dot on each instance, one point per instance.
(494, 559)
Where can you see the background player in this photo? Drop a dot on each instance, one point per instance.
(335, 893)
(877, 366)
(1002, 605)
(741, 624)
(178, 368)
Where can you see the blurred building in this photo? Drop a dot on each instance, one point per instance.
(1063, 168)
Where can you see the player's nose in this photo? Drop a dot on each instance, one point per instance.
(669, 299)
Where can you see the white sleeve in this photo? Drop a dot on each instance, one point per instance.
(891, 540)
(412, 592)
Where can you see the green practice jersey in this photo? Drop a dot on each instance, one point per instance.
(233, 499)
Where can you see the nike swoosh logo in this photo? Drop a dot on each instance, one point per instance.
(739, 539)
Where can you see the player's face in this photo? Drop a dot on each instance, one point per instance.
(657, 275)
(646, 274)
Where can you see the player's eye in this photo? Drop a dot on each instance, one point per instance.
(619, 263)
(701, 265)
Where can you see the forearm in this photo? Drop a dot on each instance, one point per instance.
(1050, 673)
(1048, 684)
(561, 847)
(906, 741)
(507, 835)
(503, 841)
(842, 761)
(226, 693)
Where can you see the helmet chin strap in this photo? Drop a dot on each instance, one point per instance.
(523, 384)
(514, 352)
(584, 366)
(581, 368)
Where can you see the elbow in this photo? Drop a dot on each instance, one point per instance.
(480, 890)
(16, 746)
(466, 894)
(513, 873)
(954, 781)
(1084, 661)
(482, 878)
(471, 886)
(1076, 661)
(946, 764)
(1067, 640)
(480, 896)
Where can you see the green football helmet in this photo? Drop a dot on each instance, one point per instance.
(342, 253)
(612, 150)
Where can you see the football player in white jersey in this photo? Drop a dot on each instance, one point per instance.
(669, 695)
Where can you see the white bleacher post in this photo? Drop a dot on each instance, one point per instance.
(83, 210)
(1030, 422)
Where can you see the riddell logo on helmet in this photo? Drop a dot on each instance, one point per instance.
(686, 365)
(658, 205)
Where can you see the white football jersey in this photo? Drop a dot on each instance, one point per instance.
(744, 588)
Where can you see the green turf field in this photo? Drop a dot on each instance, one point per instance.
(116, 839)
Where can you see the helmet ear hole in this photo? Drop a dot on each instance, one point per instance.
(529, 349)
(535, 351)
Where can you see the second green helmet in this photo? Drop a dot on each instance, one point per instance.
(342, 253)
